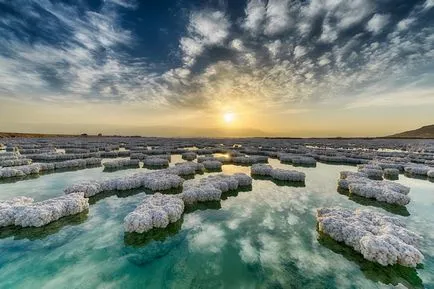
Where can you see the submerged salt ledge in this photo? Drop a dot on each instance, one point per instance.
(379, 238)
(156, 211)
(23, 212)
(384, 191)
(278, 174)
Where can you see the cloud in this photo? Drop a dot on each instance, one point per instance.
(378, 22)
(205, 29)
(255, 16)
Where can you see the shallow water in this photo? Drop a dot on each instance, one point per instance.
(263, 238)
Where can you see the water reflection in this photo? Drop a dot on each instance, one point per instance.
(391, 208)
(37, 233)
(389, 275)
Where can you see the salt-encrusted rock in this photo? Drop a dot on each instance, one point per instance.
(384, 191)
(212, 187)
(155, 162)
(244, 160)
(430, 173)
(261, 170)
(156, 211)
(189, 156)
(9, 208)
(212, 165)
(243, 179)
(287, 175)
(89, 188)
(379, 238)
(15, 162)
(19, 171)
(156, 181)
(420, 170)
(373, 172)
(303, 161)
(391, 173)
(202, 193)
(186, 169)
(23, 212)
(278, 174)
(122, 163)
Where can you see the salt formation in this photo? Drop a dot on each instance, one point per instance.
(122, 163)
(391, 173)
(278, 174)
(212, 187)
(155, 162)
(186, 169)
(379, 238)
(372, 171)
(384, 191)
(250, 160)
(157, 181)
(430, 173)
(36, 168)
(156, 211)
(261, 170)
(15, 162)
(296, 159)
(23, 212)
(9, 208)
(419, 170)
(212, 165)
(189, 156)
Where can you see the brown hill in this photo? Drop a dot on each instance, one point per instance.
(423, 132)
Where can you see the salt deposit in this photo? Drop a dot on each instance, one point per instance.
(384, 191)
(379, 238)
(121, 163)
(212, 165)
(189, 156)
(156, 211)
(278, 174)
(23, 212)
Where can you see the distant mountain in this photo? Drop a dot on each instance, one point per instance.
(423, 132)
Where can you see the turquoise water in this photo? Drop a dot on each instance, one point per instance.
(263, 238)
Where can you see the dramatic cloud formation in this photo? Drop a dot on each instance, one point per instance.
(286, 55)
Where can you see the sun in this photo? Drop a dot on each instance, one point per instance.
(229, 117)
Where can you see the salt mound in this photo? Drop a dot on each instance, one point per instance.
(212, 165)
(9, 208)
(156, 211)
(156, 181)
(379, 238)
(122, 163)
(212, 187)
(384, 191)
(156, 162)
(278, 174)
(23, 212)
(189, 156)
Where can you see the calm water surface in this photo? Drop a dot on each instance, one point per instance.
(263, 238)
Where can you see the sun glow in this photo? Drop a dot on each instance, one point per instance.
(229, 117)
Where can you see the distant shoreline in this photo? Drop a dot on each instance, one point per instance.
(9, 135)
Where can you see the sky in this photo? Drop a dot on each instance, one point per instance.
(217, 68)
